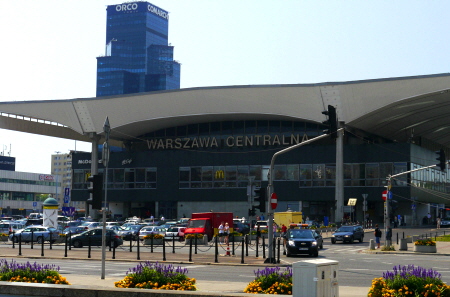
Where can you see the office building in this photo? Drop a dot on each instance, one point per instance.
(138, 57)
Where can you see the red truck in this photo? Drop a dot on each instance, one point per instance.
(207, 223)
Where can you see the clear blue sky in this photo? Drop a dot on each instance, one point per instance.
(49, 48)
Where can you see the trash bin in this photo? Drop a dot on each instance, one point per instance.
(403, 244)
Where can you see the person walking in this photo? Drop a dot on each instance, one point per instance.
(377, 236)
(438, 223)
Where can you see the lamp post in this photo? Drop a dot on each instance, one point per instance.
(105, 161)
(56, 183)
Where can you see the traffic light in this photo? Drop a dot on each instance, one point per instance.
(331, 122)
(441, 158)
(95, 191)
(251, 212)
(260, 199)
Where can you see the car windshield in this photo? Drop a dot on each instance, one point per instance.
(173, 229)
(300, 234)
(345, 229)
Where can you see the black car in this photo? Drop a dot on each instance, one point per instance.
(348, 234)
(94, 237)
(303, 241)
(131, 232)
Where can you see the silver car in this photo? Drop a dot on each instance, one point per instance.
(35, 233)
(151, 230)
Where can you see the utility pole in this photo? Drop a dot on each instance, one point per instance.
(105, 160)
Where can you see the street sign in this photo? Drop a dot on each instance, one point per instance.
(352, 201)
(384, 195)
(389, 195)
(274, 200)
(66, 199)
(34, 203)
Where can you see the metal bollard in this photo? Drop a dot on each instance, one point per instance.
(257, 243)
(232, 247)
(216, 253)
(242, 254)
(164, 250)
(20, 244)
(89, 246)
(65, 246)
(195, 241)
(131, 243)
(50, 239)
(279, 246)
(173, 244)
(246, 246)
(42, 247)
(32, 238)
(190, 250)
(138, 249)
(264, 247)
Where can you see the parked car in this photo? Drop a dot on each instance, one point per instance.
(348, 234)
(35, 234)
(176, 233)
(94, 236)
(240, 227)
(73, 230)
(131, 232)
(445, 222)
(151, 230)
(262, 225)
(303, 241)
(90, 225)
(8, 227)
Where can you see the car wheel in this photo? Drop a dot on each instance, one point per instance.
(361, 239)
(40, 240)
(321, 246)
(77, 244)
(352, 240)
(316, 254)
(333, 241)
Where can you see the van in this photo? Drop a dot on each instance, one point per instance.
(35, 215)
(8, 227)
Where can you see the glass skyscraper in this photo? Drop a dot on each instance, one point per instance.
(138, 57)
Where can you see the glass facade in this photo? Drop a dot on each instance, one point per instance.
(138, 57)
(306, 175)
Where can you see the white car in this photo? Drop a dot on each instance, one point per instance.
(151, 230)
(175, 232)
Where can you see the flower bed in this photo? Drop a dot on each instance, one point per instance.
(409, 281)
(271, 281)
(157, 276)
(30, 273)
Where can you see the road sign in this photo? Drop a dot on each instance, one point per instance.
(389, 195)
(34, 203)
(66, 199)
(352, 201)
(66, 191)
(384, 195)
(274, 200)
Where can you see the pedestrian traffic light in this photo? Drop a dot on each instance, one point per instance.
(260, 199)
(251, 212)
(95, 191)
(331, 123)
(441, 158)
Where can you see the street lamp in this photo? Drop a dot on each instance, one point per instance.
(56, 184)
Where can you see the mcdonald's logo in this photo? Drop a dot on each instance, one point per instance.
(219, 174)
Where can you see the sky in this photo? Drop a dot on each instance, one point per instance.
(49, 47)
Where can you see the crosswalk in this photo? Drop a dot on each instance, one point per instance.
(335, 249)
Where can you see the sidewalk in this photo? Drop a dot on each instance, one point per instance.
(220, 288)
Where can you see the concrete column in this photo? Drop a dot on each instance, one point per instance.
(339, 189)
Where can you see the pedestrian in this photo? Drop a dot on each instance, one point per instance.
(377, 235)
(262, 217)
(221, 227)
(438, 222)
(388, 235)
(283, 233)
(226, 233)
(258, 233)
